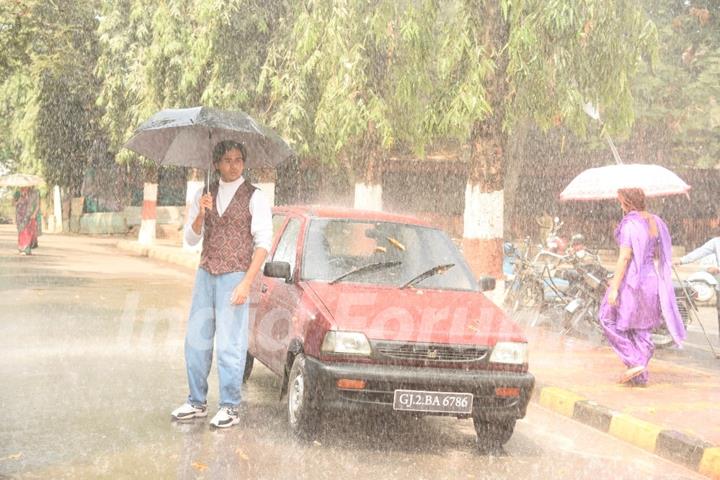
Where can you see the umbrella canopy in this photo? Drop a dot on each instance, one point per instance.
(186, 136)
(603, 183)
(20, 180)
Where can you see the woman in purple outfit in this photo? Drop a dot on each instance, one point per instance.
(640, 295)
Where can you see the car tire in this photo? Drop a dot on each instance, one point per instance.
(492, 435)
(303, 411)
(249, 361)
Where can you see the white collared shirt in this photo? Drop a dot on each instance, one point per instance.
(260, 227)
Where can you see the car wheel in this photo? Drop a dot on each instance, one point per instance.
(249, 361)
(493, 435)
(303, 412)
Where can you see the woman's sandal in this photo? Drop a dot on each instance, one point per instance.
(631, 373)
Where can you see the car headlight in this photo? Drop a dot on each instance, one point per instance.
(346, 343)
(510, 352)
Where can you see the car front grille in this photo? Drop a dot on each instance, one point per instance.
(430, 352)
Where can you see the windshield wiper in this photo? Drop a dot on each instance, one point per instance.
(365, 268)
(428, 273)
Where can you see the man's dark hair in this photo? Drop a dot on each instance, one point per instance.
(221, 148)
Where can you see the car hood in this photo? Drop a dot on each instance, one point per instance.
(415, 315)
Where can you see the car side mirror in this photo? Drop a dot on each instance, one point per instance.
(277, 270)
(486, 284)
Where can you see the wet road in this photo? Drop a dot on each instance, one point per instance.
(91, 364)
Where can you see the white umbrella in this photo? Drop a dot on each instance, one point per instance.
(20, 180)
(603, 182)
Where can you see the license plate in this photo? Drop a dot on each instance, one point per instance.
(422, 401)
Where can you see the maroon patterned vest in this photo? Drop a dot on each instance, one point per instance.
(227, 242)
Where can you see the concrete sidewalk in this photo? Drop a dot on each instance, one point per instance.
(676, 417)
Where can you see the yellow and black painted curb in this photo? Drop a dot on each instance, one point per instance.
(671, 445)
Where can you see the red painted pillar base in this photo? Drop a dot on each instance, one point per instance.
(484, 256)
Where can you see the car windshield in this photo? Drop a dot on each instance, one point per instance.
(353, 251)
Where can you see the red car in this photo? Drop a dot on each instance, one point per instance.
(362, 309)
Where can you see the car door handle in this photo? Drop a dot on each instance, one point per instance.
(264, 288)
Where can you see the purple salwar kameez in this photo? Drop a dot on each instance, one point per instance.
(646, 296)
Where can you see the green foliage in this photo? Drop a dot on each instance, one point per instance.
(559, 54)
(177, 54)
(678, 99)
(347, 80)
(50, 87)
(347, 77)
(227, 50)
(134, 73)
(564, 53)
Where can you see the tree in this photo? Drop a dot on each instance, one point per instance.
(349, 82)
(505, 62)
(52, 84)
(678, 99)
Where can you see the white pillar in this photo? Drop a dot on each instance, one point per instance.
(148, 221)
(57, 209)
(193, 187)
(368, 196)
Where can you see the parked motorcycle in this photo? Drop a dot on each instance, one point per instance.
(540, 285)
(556, 243)
(704, 283)
(582, 311)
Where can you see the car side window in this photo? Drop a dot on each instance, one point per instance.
(278, 220)
(286, 250)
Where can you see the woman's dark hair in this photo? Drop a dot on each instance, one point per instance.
(221, 148)
(631, 199)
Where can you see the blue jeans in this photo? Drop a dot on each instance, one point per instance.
(214, 320)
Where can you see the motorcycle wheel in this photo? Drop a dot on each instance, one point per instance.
(530, 296)
(705, 291)
(512, 290)
(661, 338)
(586, 324)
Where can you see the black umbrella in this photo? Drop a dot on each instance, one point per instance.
(186, 136)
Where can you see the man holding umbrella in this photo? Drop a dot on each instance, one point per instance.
(234, 220)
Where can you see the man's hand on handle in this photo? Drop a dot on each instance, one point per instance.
(206, 203)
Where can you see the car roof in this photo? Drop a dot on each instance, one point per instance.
(322, 211)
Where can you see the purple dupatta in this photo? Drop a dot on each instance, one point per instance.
(639, 233)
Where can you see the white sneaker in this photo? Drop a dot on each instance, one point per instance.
(225, 417)
(187, 411)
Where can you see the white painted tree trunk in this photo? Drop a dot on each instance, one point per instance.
(483, 233)
(148, 221)
(268, 189)
(483, 216)
(368, 196)
(191, 190)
